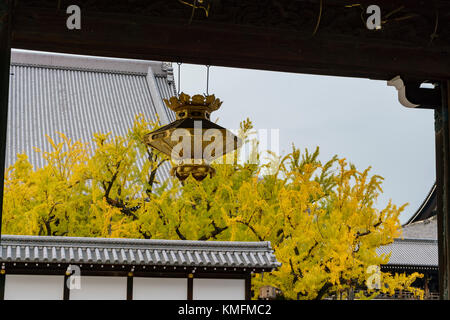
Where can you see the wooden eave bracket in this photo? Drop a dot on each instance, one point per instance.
(411, 94)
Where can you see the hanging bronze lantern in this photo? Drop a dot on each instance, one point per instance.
(192, 140)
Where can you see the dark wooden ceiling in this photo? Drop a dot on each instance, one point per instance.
(306, 36)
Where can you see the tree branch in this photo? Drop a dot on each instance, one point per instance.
(151, 179)
(113, 179)
(216, 232)
(323, 290)
(180, 235)
(376, 225)
(123, 208)
(251, 228)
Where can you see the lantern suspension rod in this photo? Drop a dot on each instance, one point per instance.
(179, 76)
(207, 79)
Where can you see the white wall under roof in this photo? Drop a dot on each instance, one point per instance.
(159, 288)
(101, 288)
(33, 287)
(219, 289)
(45, 287)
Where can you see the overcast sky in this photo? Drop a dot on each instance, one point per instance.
(358, 119)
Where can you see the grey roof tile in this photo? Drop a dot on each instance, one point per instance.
(411, 252)
(137, 251)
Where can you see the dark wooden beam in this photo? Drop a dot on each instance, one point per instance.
(342, 46)
(446, 221)
(5, 58)
(443, 188)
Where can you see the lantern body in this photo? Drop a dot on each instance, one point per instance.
(192, 140)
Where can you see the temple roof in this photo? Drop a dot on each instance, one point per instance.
(427, 209)
(177, 253)
(80, 96)
(412, 252)
(417, 246)
(424, 229)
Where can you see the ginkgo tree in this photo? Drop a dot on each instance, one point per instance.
(320, 218)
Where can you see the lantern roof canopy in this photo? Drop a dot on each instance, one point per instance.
(164, 139)
(188, 123)
(193, 122)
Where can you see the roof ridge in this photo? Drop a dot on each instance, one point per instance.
(80, 241)
(422, 206)
(91, 63)
(416, 240)
(424, 221)
(87, 69)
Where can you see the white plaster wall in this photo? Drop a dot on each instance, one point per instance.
(34, 287)
(159, 288)
(219, 289)
(100, 288)
(41, 287)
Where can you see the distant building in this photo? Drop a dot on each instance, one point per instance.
(417, 250)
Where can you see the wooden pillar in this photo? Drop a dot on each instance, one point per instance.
(425, 286)
(5, 60)
(443, 187)
(66, 290)
(190, 287)
(2, 284)
(130, 286)
(248, 287)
